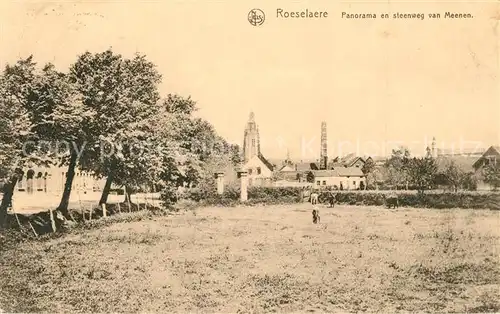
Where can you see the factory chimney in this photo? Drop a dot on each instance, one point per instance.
(323, 159)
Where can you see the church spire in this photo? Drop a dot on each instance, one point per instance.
(251, 141)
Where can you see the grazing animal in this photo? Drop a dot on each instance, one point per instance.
(314, 198)
(316, 217)
(392, 201)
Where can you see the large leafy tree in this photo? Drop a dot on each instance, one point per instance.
(421, 172)
(178, 105)
(454, 176)
(201, 151)
(123, 93)
(36, 108)
(60, 117)
(396, 167)
(368, 169)
(15, 127)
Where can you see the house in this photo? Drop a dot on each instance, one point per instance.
(350, 160)
(260, 171)
(289, 175)
(490, 156)
(471, 163)
(306, 166)
(464, 163)
(287, 168)
(343, 178)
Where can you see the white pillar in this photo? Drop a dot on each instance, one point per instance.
(244, 185)
(219, 176)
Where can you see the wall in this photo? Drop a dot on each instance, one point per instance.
(52, 181)
(347, 183)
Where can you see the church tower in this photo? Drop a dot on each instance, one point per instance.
(251, 141)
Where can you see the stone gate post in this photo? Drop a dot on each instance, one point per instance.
(244, 185)
(219, 176)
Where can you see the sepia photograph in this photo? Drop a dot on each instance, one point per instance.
(249, 156)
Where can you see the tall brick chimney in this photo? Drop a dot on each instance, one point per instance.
(323, 159)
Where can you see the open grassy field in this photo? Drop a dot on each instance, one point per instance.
(251, 259)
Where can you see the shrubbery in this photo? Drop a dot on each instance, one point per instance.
(288, 195)
(431, 200)
(168, 196)
(256, 195)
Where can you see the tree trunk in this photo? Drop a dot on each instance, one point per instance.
(128, 195)
(107, 188)
(7, 200)
(70, 175)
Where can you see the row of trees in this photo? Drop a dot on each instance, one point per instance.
(402, 171)
(104, 115)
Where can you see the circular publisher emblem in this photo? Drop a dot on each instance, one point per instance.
(256, 17)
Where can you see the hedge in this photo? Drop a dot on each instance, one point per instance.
(431, 200)
(290, 195)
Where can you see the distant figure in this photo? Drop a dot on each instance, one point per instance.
(392, 201)
(316, 217)
(331, 199)
(314, 198)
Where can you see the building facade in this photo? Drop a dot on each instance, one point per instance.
(259, 171)
(340, 178)
(51, 180)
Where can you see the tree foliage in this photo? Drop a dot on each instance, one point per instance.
(454, 176)
(396, 167)
(24, 93)
(108, 113)
(368, 169)
(491, 173)
(421, 172)
(123, 94)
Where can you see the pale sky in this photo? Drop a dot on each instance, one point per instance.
(372, 81)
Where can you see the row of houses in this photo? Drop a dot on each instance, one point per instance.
(345, 172)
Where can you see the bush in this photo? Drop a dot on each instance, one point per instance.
(428, 200)
(256, 195)
(276, 193)
(168, 196)
(288, 195)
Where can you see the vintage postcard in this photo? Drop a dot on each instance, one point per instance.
(249, 156)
